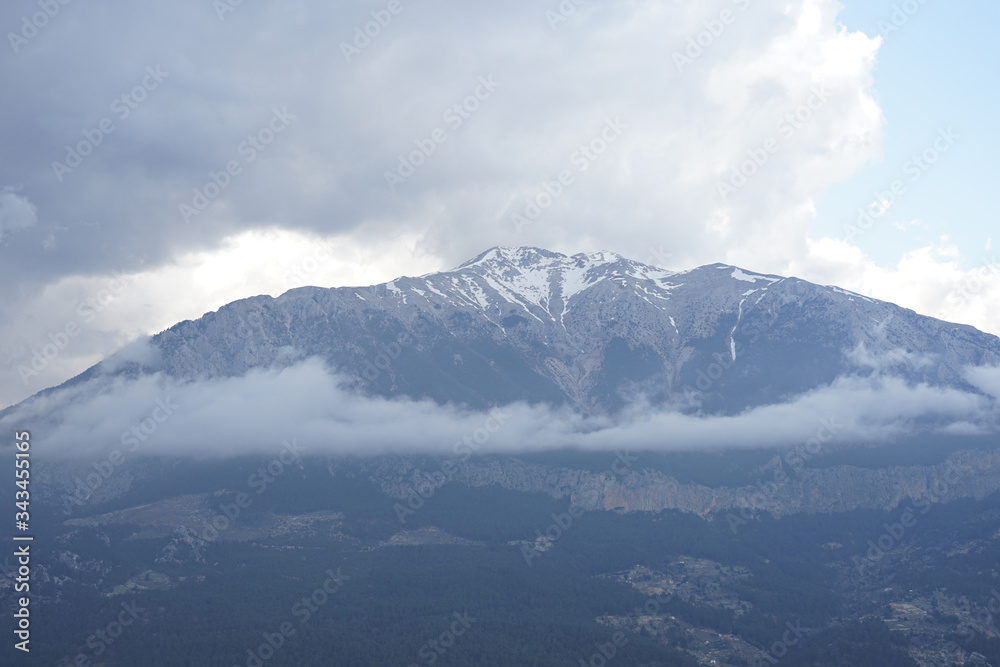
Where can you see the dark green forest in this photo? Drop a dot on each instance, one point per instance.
(344, 597)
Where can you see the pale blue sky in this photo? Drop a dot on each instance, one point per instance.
(939, 69)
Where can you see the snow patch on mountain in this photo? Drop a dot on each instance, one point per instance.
(546, 283)
(848, 293)
(738, 274)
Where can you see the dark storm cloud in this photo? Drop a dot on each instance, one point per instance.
(162, 98)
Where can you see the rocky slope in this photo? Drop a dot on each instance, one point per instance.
(594, 331)
(782, 489)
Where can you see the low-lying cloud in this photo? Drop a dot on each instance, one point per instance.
(252, 414)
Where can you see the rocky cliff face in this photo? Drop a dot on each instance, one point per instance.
(626, 485)
(781, 491)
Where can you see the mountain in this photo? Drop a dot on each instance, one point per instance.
(880, 552)
(594, 331)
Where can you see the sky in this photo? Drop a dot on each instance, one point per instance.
(162, 160)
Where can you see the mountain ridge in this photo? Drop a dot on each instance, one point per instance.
(592, 330)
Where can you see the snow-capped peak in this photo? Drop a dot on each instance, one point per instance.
(515, 255)
(540, 281)
(503, 259)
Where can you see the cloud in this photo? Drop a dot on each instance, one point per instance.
(896, 358)
(985, 378)
(305, 401)
(113, 311)
(687, 128)
(140, 352)
(169, 137)
(16, 212)
(783, 77)
(932, 279)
